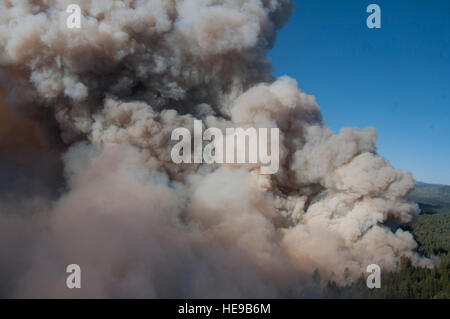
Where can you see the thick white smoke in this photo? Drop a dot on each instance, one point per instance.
(140, 225)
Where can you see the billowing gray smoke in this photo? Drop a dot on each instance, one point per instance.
(140, 225)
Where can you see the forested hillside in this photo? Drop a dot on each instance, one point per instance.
(431, 194)
(432, 232)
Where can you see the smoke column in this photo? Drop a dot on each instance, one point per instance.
(103, 192)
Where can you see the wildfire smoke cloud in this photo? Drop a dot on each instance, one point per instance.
(138, 224)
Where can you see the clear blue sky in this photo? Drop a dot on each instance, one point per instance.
(396, 78)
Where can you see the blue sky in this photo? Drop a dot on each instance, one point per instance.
(396, 78)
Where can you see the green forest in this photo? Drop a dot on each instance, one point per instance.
(432, 232)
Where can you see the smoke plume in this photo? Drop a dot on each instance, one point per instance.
(103, 192)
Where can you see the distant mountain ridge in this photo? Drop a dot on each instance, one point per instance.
(431, 194)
